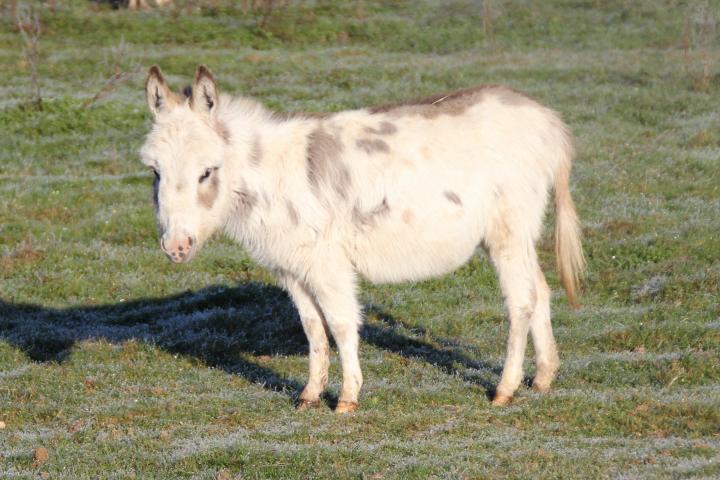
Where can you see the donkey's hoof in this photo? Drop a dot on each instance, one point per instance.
(501, 400)
(539, 388)
(346, 407)
(307, 404)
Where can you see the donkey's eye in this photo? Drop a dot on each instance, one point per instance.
(206, 175)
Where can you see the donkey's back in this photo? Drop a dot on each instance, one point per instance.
(438, 177)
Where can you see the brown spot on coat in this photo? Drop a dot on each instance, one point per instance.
(454, 103)
(453, 197)
(208, 192)
(368, 219)
(499, 235)
(324, 163)
(222, 130)
(407, 216)
(385, 128)
(370, 146)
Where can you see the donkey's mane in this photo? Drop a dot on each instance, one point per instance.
(231, 107)
(237, 108)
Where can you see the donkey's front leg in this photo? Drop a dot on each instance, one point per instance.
(334, 289)
(313, 325)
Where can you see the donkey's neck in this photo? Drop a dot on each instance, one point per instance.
(267, 149)
(265, 161)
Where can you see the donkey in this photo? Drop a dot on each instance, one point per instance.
(393, 193)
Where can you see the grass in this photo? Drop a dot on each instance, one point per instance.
(122, 365)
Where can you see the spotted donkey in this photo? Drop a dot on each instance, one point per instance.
(394, 193)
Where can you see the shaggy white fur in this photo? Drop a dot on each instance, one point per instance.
(394, 193)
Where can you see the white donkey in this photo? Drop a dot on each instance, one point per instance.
(394, 193)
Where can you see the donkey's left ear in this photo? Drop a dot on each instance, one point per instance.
(204, 97)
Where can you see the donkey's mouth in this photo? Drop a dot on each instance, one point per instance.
(180, 257)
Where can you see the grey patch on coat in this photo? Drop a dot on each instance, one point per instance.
(245, 201)
(369, 218)
(324, 163)
(371, 146)
(385, 128)
(287, 116)
(156, 192)
(256, 151)
(453, 197)
(292, 213)
(208, 193)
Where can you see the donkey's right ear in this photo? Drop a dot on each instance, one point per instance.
(159, 97)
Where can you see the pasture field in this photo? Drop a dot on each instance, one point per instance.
(122, 365)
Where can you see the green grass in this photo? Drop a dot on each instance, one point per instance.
(123, 365)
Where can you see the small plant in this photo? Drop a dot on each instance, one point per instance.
(28, 23)
(118, 74)
(699, 33)
(115, 80)
(263, 10)
(487, 17)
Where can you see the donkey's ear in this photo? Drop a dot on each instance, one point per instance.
(204, 97)
(159, 97)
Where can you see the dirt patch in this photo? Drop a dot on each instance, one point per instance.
(23, 254)
(40, 455)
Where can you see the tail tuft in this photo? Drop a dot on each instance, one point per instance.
(568, 245)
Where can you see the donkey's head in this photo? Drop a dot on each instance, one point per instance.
(186, 149)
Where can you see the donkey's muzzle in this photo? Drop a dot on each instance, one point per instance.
(178, 249)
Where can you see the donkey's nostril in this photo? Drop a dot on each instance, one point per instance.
(178, 249)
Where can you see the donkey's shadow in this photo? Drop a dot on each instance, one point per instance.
(227, 328)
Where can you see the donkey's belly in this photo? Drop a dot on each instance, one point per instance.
(406, 247)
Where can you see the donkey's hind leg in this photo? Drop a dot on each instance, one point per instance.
(314, 327)
(546, 356)
(515, 260)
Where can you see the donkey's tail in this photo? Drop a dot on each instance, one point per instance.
(568, 246)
